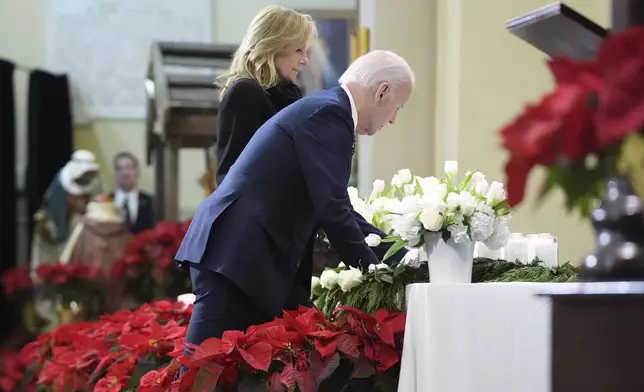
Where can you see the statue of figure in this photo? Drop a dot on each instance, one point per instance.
(99, 240)
(62, 207)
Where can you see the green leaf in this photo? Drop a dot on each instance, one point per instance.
(394, 248)
(386, 278)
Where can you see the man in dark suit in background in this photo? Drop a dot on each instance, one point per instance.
(136, 205)
(247, 241)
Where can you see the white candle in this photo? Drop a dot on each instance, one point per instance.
(545, 248)
(517, 248)
(481, 250)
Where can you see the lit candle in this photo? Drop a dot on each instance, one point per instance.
(481, 250)
(517, 248)
(545, 248)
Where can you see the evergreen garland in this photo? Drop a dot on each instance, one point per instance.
(385, 289)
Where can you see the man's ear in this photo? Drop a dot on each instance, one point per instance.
(382, 92)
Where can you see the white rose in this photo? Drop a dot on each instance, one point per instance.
(412, 257)
(496, 193)
(348, 279)
(381, 266)
(329, 279)
(431, 220)
(373, 240)
(451, 168)
(467, 203)
(409, 189)
(315, 281)
(378, 188)
(432, 203)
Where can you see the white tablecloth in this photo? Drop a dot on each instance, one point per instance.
(487, 337)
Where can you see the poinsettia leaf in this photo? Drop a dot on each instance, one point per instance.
(258, 356)
(323, 367)
(306, 380)
(207, 377)
(348, 345)
(287, 377)
(275, 384)
(385, 357)
(363, 367)
(326, 349)
(252, 383)
(206, 351)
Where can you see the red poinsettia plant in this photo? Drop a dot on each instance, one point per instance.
(577, 132)
(302, 351)
(146, 266)
(108, 355)
(71, 280)
(16, 283)
(11, 370)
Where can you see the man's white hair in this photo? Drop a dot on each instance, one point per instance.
(377, 67)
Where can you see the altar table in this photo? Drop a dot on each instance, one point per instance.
(483, 337)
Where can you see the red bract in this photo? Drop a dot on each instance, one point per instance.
(594, 106)
(300, 350)
(16, 280)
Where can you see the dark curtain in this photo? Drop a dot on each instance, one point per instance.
(49, 132)
(8, 198)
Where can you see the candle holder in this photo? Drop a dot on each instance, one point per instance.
(619, 227)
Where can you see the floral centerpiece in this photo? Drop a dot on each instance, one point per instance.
(588, 129)
(16, 283)
(147, 267)
(445, 214)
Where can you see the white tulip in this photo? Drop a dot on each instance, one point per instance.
(381, 266)
(496, 193)
(401, 178)
(373, 240)
(451, 168)
(378, 188)
(467, 203)
(315, 281)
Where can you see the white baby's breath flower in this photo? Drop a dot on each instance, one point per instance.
(482, 223)
(499, 237)
(458, 231)
(329, 279)
(373, 240)
(349, 279)
(451, 168)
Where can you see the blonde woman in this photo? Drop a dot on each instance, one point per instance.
(261, 78)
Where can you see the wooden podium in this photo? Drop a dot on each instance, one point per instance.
(181, 110)
(597, 341)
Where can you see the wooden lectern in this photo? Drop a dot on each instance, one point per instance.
(181, 110)
(597, 339)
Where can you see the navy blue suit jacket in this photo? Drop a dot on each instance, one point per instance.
(290, 179)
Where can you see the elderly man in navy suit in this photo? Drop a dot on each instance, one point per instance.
(245, 245)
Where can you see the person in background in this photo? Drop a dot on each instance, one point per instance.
(136, 206)
(261, 79)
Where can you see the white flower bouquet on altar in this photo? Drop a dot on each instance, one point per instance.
(438, 212)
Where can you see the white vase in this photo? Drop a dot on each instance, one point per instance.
(449, 262)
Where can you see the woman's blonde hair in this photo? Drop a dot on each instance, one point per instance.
(272, 31)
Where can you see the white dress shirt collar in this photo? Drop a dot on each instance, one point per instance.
(354, 110)
(132, 197)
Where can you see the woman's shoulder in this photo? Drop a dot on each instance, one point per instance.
(245, 87)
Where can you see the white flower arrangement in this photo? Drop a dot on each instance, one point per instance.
(410, 206)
